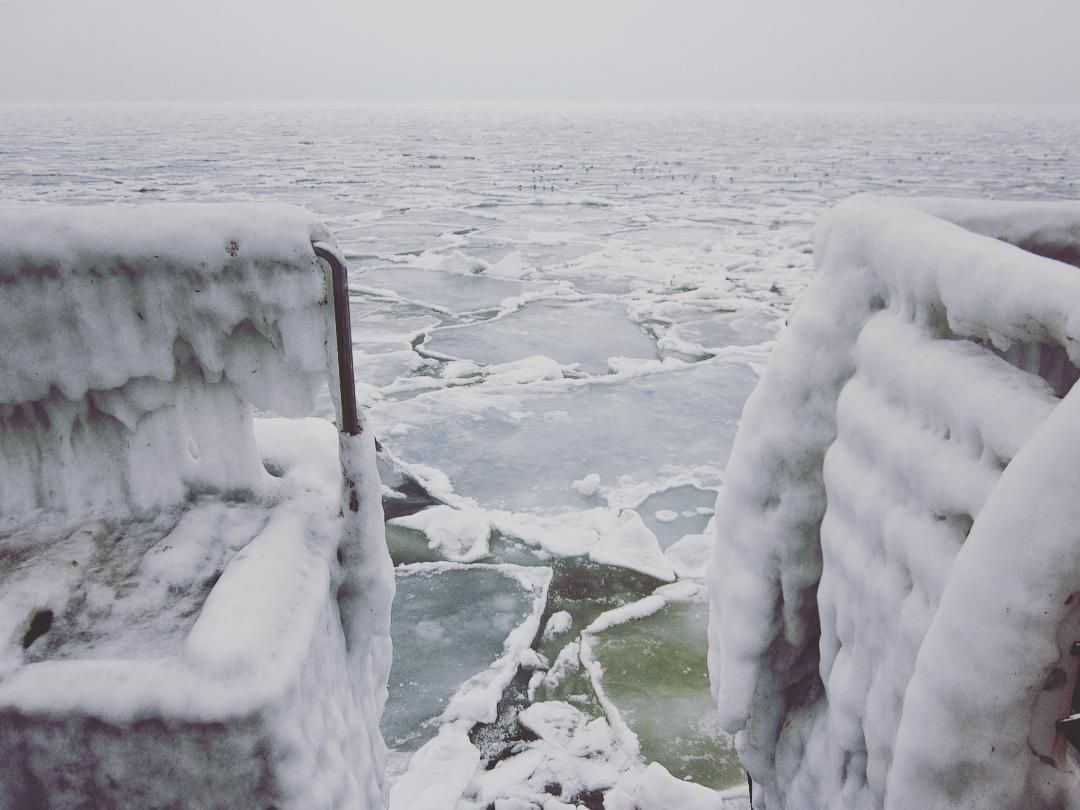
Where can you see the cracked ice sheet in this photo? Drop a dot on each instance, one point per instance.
(460, 633)
(570, 332)
(647, 664)
(607, 536)
(633, 430)
(447, 291)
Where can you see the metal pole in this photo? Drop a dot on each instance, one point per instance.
(350, 422)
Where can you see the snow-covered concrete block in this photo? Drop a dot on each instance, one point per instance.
(194, 599)
(895, 584)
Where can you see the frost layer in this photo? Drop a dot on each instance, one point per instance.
(894, 578)
(194, 603)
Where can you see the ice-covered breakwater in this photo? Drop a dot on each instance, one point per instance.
(897, 533)
(194, 602)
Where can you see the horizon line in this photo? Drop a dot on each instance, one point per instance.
(435, 101)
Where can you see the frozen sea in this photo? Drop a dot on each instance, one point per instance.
(558, 311)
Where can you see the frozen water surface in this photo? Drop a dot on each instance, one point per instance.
(570, 332)
(583, 590)
(692, 221)
(378, 323)
(454, 292)
(654, 672)
(728, 329)
(523, 451)
(448, 624)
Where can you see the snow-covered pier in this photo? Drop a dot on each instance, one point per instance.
(896, 570)
(194, 605)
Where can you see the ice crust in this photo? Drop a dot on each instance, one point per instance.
(135, 341)
(895, 553)
(216, 584)
(564, 431)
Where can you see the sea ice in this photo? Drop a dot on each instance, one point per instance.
(632, 545)
(647, 660)
(460, 536)
(441, 290)
(558, 623)
(406, 230)
(719, 330)
(633, 202)
(581, 591)
(459, 631)
(627, 431)
(582, 333)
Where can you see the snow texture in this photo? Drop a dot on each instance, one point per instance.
(894, 578)
(462, 536)
(571, 754)
(195, 605)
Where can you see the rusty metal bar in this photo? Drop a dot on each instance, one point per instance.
(339, 273)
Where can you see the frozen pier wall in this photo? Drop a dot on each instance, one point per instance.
(896, 576)
(194, 591)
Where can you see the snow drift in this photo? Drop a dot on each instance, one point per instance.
(895, 575)
(194, 605)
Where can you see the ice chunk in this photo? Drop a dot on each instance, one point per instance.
(689, 557)
(461, 536)
(632, 545)
(410, 546)
(438, 773)
(558, 623)
(656, 789)
(588, 486)
(527, 370)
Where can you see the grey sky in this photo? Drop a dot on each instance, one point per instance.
(725, 50)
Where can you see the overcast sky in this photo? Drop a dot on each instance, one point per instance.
(723, 50)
